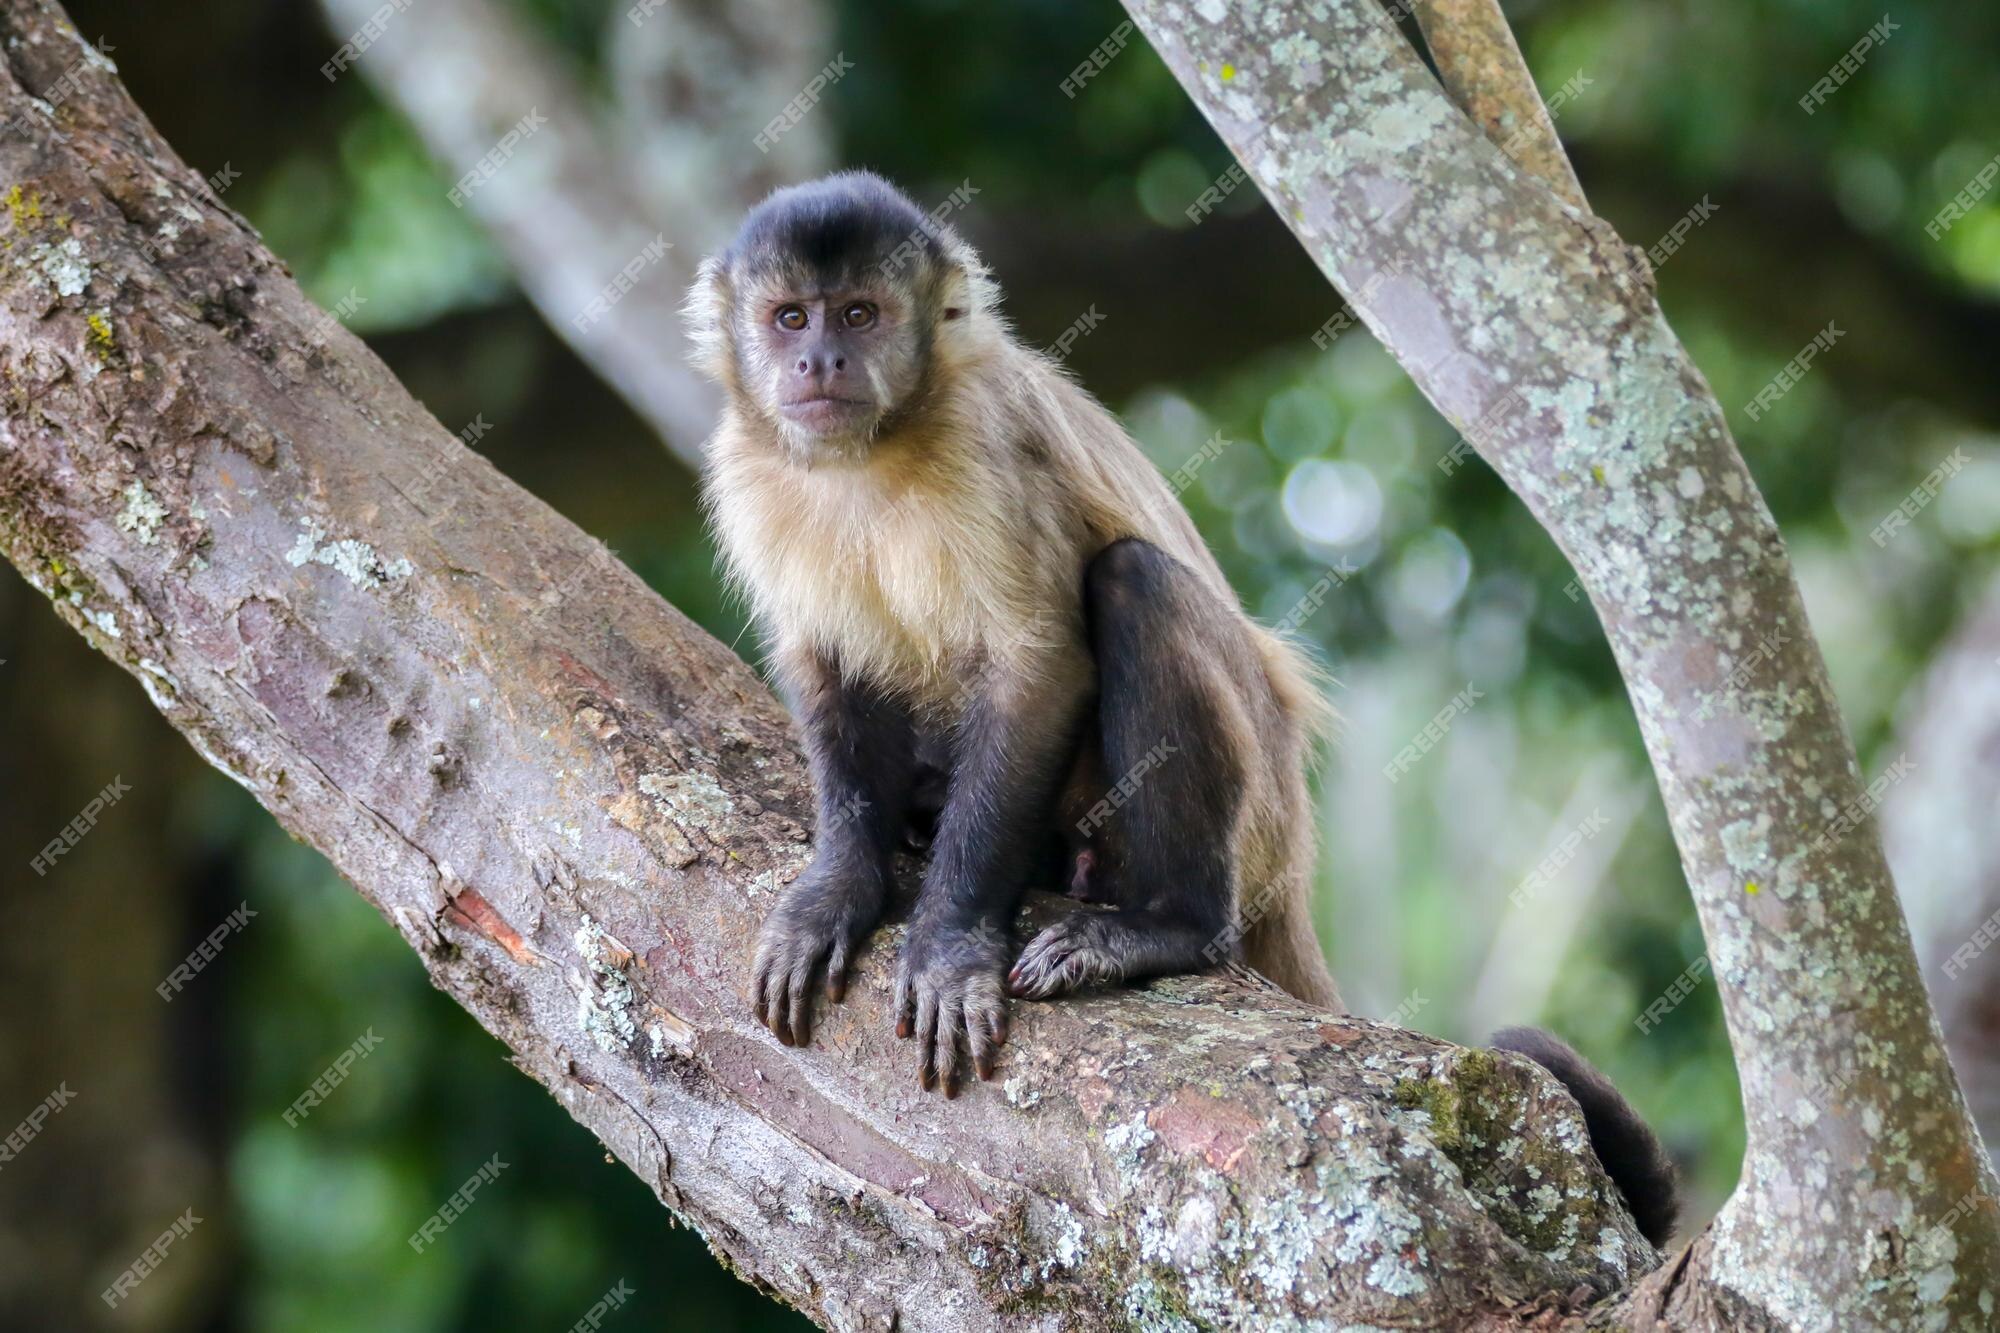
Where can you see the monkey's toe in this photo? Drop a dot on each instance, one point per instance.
(1063, 958)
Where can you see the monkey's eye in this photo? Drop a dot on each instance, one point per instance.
(858, 316)
(792, 317)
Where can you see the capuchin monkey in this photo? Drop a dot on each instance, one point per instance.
(996, 627)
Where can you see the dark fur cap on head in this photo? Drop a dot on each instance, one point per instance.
(844, 231)
(840, 226)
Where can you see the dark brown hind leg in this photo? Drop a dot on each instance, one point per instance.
(1161, 819)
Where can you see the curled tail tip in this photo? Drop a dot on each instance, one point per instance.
(1630, 1152)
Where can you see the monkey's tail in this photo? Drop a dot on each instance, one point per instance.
(1631, 1153)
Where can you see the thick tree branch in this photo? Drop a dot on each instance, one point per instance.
(576, 807)
(1527, 324)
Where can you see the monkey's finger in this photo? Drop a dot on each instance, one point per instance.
(836, 973)
(951, 1034)
(927, 1026)
(778, 1019)
(905, 1003)
(979, 1036)
(1042, 984)
(1027, 975)
(759, 979)
(770, 982)
(769, 969)
(1045, 968)
(1029, 968)
(801, 986)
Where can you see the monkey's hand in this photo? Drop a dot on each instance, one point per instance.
(820, 922)
(949, 996)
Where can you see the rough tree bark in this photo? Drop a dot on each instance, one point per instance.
(576, 806)
(576, 202)
(1481, 67)
(1865, 1198)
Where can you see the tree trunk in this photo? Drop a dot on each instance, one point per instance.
(1865, 1198)
(576, 807)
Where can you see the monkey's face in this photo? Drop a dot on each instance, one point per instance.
(837, 315)
(829, 361)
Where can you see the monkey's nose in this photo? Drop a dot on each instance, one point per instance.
(818, 365)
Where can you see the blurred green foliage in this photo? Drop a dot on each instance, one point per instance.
(1328, 460)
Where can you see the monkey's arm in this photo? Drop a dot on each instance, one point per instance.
(860, 744)
(1016, 739)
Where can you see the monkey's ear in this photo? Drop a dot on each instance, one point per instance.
(711, 348)
(968, 298)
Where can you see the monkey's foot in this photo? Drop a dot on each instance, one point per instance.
(948, 996)
(1073, 953)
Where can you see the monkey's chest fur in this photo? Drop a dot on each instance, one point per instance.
(916, 582)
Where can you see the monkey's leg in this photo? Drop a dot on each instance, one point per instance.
(860, 744)
(1167, 653)
(1009, 756)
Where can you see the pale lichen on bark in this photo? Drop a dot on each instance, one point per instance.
(1534, 330)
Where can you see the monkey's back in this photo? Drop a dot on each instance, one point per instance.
(1122, 494)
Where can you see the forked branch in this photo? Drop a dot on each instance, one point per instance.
(1534, 330)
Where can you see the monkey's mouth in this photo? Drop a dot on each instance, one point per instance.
(826, 412)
